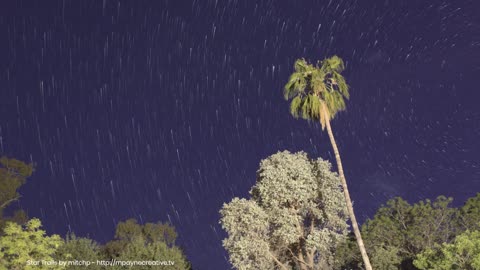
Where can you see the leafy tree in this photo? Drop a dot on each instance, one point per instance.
(432, 222)
(293, 220)
(20, 244)
(146, 242)
(318, 93)
(469, 217)
(463, 253)
(400, 231)
(79, 248)
(347, 255)
(13, 174)
(386, 258)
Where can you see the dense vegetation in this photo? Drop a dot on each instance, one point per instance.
(295, 220)
(425, 235)
(24, 245)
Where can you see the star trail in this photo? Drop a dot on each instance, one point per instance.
(162, 110)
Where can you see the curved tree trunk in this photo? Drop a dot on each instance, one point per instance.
(348, 201)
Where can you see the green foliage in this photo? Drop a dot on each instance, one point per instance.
(20, 244)
(296, 213)
(347, 255)
(432, 222)
(13, 174)
(333, 64)
(19, 217)
(463, 253)
(247, 225)
(470, 214)
(145, 242)
(386, 258)
(311, 87)
(400, 231)
(76, 248)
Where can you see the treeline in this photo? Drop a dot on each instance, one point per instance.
(425, 235)
(295, 218)
(24, 245)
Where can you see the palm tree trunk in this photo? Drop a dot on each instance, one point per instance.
(348, 201)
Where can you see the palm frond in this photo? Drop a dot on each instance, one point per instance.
(317, 81)
(288, 90)
(295, 105)
(335, 63)
(315, 107)
(334, 103)
(301, 65)
(306, 108)
(300, 86)
(341, 84)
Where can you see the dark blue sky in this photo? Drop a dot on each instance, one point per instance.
(162, 110)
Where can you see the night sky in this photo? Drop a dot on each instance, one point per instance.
(162, 110)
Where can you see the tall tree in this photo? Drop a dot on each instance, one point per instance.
(294, 219)
(318, 93)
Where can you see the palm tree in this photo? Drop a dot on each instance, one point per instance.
(318, 93)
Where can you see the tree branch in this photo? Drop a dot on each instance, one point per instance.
(277, 261)
(296, 258)
(299, 226)
(312, 251)
(9, 201)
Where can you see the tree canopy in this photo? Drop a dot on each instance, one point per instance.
(463, 253)
(146, 242)
(13, 174)
(469, 217)
(21, 244)
(21, 241)
(312, 86)
(399, 232)
(79, 248)
(294, 218)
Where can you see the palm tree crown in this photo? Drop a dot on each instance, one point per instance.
(311, 87)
